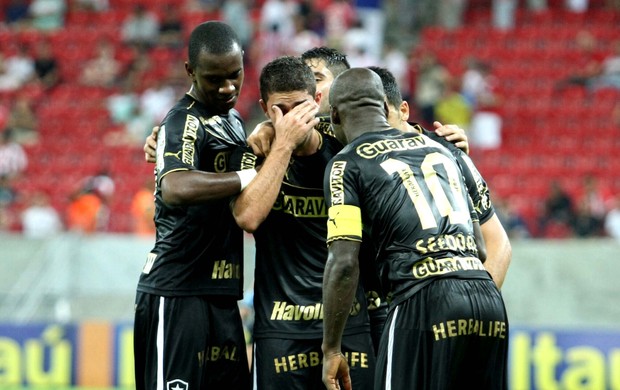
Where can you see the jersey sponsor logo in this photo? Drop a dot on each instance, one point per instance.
(189, 138)
(302, 206)
(248, 160)
(336, 182)
(371, 150)
(284, 311)
(148, 265)
(325, 128)
(447, 242)
(225, 270)
(471, 326)
(299, 361)
(432, 267)
(177, 384)
(220, 162)
(218, 352)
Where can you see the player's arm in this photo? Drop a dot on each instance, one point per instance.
(150, 145)
(499, 250)
(339, 285)
(454, 134)
(479, 237)
(254, 203)
(179, 179)
(261, 137)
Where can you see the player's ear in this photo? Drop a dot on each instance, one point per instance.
(334, 116)
(263, 105)
(404, 111)
(190, 71)
(318, 95)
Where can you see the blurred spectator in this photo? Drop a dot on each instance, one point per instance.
(237, 14)
(472, 80)
(395, 60)
(86, 213)
(503, 14)
(451, 13)
(511, 219)
(48, 15)
(156, 100)
(371, 14)
(586, 224)
(452, 107)
(339, 15)
(486, 121)
(92, 5)
(586, 63)
(537, 5)
(577, 6)
(13, 158)
(40, 219)
(612, 219)
(88, 210)
(313, 16)
(430, 84)
(16, 69)
(23, 121)
(610, 69)
(143, 210)
(558, 210)
(8, 219)
(171, 28)
(267, 45)
(594, 198)
(140, 28)
(304, 38)
(278, 15)
(46, 65)
(103, 69)
(124, 109)
(122, 104)
(7, 193)
(16, 13)
(357, 46)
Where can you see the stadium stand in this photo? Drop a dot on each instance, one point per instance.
(545, 134)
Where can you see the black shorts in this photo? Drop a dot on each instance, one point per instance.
(189, 343)
(298, 364)
(452, 334)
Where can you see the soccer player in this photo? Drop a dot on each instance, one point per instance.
(496, 239)
(187, 329)
(447, 326)
(289, 228)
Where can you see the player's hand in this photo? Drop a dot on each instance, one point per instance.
(336, 370)
(261, 137)
(294, 128)
(454, 134)
(150, 145)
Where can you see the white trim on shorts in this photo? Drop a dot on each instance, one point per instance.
(390, 349)
(160, 345)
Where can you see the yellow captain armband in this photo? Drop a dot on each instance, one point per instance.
(344, 222)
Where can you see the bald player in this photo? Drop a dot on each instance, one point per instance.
(447, 326)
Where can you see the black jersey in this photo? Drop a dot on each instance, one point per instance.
(476, 185)
(199, 248)
(291, 254)
(406, 191)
